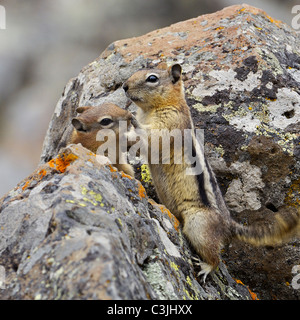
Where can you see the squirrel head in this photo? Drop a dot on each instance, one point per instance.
(155, 88)
(106, 116)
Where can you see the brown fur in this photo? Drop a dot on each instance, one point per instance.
(87, 124)
(162, 105)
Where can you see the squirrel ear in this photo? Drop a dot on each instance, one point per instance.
(176, 72)
(82, 109)
(78, 125)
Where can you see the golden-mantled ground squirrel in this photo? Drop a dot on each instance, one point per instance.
(195, 200)
(93, 119)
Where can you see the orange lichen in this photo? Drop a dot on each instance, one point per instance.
(277, 22)
(92, 154)
(42, 173)
(26, 185)
(252, 294)
(112, 169)
(164, 210)
(142, 191)
(62, 162)
(124, 175)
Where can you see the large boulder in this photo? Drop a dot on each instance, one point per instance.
(87, 232)
(75, 229)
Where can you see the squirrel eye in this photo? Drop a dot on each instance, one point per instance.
(106, 121)
(152, 78)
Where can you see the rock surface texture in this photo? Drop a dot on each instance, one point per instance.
(78, 230)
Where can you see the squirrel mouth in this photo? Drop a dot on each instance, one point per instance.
(133, 98)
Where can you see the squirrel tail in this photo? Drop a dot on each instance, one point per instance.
(282, 230)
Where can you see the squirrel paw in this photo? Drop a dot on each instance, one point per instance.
(206, 268)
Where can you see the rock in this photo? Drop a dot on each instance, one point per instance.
(75, 229)
(241, 75)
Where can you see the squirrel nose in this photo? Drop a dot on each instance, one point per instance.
(125, 87)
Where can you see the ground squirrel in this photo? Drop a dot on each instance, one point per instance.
(195, 200)
(93, 119)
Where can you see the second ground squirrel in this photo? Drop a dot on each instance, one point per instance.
(92, 119)
(195, 200)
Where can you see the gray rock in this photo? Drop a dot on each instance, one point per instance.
(78, 230)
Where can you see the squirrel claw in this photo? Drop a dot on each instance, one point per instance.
(206, 268)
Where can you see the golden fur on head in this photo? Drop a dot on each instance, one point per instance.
(156, 88)
(92, 119)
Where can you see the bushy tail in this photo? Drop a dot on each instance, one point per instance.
(282, 230)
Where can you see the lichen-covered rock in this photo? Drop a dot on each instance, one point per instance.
(242, 79)
(75, 229)
(241, 74)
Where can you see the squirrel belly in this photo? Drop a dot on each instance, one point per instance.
(195, 199)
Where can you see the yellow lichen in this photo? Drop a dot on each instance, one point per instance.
(188, 281)
(91, 196)
(145, 173)
(174, 266)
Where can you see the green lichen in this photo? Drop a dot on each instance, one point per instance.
(191, 288)
(174, 266)
(272, 62)
(220, 150)
(164, 289)
(209, 108)
(89, 196)
(188, 281)
(84, 190)
(82, 204)
(92, 197)
(96, 196)
(91, 201)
